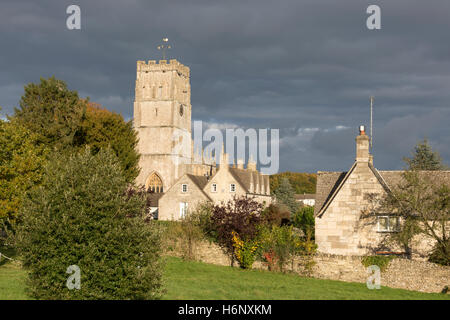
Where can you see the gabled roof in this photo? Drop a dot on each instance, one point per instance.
(244, 178)
(329, 183)
(334, 184)
(393, 178)
(199, 181)
(326, 184)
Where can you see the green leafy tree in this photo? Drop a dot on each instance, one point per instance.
(21, 161)
(424, 158)
(304, 220)
(83, 215)
(276, 214)
(424, 208)
(102, 129)
(52, 111)
(422, 205)
(300, 182)
(285, 195)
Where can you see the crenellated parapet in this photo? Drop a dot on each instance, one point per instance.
(163, 65)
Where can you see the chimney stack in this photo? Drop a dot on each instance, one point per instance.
(362, 146)
(251, 165)
(240, 164)
(224, 159)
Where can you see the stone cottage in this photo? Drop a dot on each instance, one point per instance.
(343, 197)
(227, 182)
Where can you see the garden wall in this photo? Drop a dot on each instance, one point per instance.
(401, 273)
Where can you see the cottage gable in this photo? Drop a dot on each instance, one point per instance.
(342, 198)
(338, 226)
(184, 195)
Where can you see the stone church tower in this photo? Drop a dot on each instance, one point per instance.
(162, 118)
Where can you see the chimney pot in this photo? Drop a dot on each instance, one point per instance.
(362, 130)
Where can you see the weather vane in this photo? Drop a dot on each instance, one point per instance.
(164, 47)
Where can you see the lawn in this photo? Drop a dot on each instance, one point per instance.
(12, 278)
(196, 280)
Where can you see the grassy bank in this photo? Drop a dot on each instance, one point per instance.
(196, 280)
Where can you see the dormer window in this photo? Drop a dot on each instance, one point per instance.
(184, 188)
(232, 187)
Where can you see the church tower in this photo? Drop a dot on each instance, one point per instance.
(162, 118)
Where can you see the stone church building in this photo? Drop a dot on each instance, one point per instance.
(342, 198)
(178, 178)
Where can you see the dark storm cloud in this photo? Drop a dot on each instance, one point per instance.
(306, 67)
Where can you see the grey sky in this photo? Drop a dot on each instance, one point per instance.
(306, 67)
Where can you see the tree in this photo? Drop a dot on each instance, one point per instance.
(276, 214)
(424, 207)
(21, 161)
(300, 182)
(52, 111)
(304, 220)
(102, 129)
(240, 216)
(424, 158)
(83, 215)
(285, 195)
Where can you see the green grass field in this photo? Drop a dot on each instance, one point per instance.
(196, 280)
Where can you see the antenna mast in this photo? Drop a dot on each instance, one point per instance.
(371, 121)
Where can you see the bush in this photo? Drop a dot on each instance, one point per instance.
(240, 215)
(276, 214)
(81, 215)
(182, 236)
(304, 220)
(191, 234)
(202, 217)
(439, 254)
(381, 261)
(278, 245)
(245, 251)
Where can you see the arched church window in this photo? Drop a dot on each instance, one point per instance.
(154, 183)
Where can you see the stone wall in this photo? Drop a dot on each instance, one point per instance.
(401, 273)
